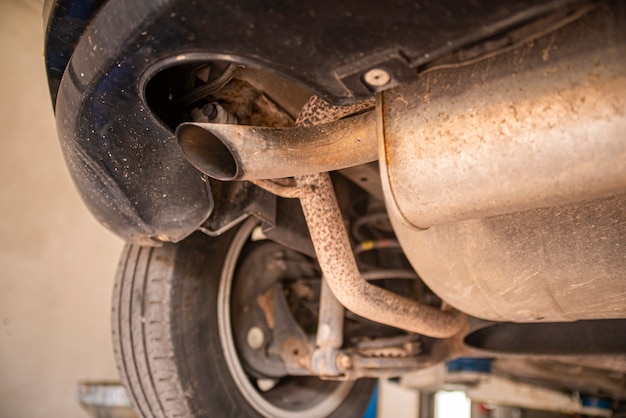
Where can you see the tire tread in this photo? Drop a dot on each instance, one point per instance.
(145, 358)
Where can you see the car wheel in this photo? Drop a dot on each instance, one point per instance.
(176, 348)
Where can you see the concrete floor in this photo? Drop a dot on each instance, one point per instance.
(57, 264)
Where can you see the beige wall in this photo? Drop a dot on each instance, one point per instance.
(56, 262)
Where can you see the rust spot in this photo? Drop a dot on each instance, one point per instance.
(265, 302)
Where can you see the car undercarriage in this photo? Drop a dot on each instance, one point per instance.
(316, 195)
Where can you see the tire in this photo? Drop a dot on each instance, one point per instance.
(173, 346)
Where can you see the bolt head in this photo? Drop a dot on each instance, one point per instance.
(344, 362)
(266, 384)
(255, 338)
(377, 77)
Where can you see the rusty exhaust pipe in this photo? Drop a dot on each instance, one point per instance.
(340, 270)
(336, 259)
(307, 152)
(236, 152)
(334, 251)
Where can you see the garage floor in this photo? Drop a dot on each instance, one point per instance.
(57, 263)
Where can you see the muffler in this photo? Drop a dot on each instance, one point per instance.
(516, 165)
(540, 126)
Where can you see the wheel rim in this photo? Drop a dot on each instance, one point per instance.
(260, 401)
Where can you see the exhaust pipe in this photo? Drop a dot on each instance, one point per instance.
(236, 152)
(336, 259)
(307, 152)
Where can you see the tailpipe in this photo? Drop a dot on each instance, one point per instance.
(237, 152)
